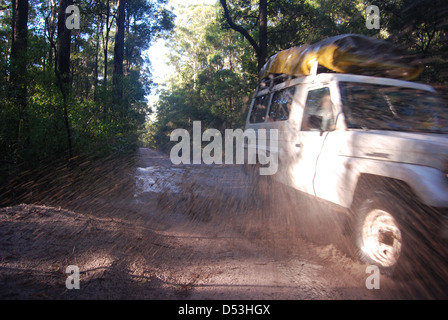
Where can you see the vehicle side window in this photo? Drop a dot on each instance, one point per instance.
(281, 104)
(318, 114)
(259, 109)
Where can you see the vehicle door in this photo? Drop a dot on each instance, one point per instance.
(257, 121)
(318, 119)
(278, 119)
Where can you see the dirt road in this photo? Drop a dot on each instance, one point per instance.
(182, 232)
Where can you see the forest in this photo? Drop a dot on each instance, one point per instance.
(75, 76)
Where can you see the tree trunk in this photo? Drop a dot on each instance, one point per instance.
(19, 44)
(263, 33)
(64, 39)
(97, 53)
(261, 48)
(50, 22)
(119, 51)
(128, 50)
(18, 59)
(106, 42)
(63, 65)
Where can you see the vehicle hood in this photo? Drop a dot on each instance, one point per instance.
(415, 148)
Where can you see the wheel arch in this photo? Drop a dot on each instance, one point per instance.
(370, 183)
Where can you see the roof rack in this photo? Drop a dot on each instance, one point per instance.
(273, 79)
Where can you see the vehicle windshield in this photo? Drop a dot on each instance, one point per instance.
(380, 107)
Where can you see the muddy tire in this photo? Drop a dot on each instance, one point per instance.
(384, 234)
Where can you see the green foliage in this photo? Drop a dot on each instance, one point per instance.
(213, 81)
(98, 123)
(421, 27)
(216, 68)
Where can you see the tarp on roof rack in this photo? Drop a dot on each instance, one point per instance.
(348, 53)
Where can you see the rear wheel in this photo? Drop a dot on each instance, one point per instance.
(259, 185)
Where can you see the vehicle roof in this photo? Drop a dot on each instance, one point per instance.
(374, 80)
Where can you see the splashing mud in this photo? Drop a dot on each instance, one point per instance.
(143, 228)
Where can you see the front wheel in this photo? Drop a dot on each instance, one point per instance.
(383, 233)
(380, 238)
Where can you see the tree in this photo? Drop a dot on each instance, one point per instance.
(282, 24)
(420, 26)
(63, 65)
(261, 48)
(215, 74)
(119, 51)
(19, 60)
(50, 28)
(103, 10)
(55, 100)
(64, 40)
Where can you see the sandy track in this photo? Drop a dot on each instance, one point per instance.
(194, 234)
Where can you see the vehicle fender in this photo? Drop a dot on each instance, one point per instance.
(430, 185)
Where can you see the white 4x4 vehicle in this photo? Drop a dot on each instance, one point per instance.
(376, 147)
